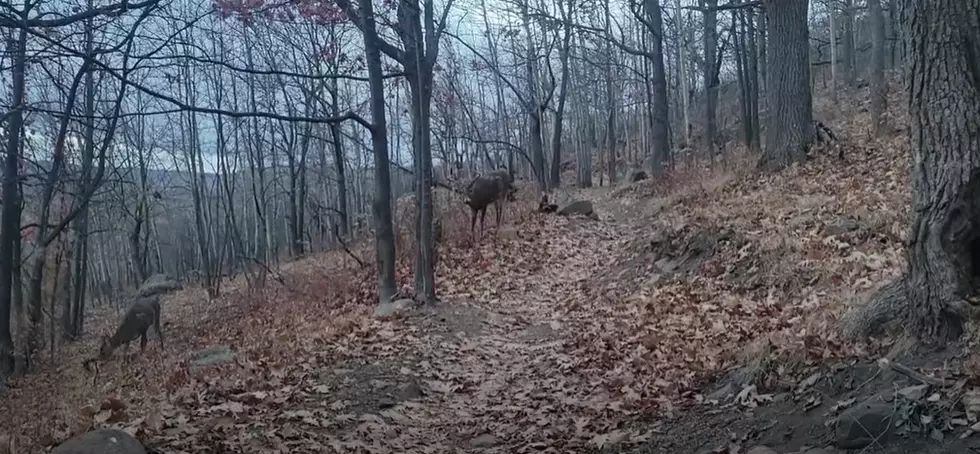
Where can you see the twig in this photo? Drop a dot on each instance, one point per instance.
(336, 234)
(887, 364)
(86, 365)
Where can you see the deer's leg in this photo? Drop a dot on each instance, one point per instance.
(499, 211)
(483, 217)
(156, 324)
(472, 220)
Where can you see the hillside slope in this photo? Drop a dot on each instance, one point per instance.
(553, 335)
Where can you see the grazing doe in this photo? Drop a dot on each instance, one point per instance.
(494, 187)
(143, 313)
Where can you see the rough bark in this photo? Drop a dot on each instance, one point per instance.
(753, 80)
(9, 228)
(384, 230)
(879, 89)
(789, 119)
(710, 76)
(943, 88)
(661, 113)
(847, 43)
(682, 71)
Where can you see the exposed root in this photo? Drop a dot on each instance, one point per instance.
(888, 305)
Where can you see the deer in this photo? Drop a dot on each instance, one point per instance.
(495, 187)
(137, 321)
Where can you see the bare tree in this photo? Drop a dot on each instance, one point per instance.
(789, 119)
(931, 299)
(879, 89)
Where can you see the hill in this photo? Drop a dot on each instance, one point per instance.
(698, 315)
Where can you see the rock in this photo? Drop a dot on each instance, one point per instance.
(583, 207)
(410, 391)
(721, 394)
(914, 393)
(484, 441)
(638, 175)
(816, 451)
(864, 424)
(842, 226)
(159, 283)
(761, 450)
(102, 441)
(394, 307)
(212, 355)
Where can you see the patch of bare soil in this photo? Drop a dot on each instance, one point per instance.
(838, 408)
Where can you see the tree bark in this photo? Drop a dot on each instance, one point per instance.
(661, 113)
(9, 228)
(710, 76)
(943, 88)
(879, 89)
(848, 44)
(789, 122)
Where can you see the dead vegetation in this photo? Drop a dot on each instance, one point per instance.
(705, 300)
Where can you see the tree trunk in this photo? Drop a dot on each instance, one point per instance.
(943, 39)
(753, 80)
(384, 230)
(661, 113)
(710, 77)
(789, 122)
(832, 12)
(9, 228)
(850, 71)
(879, 89)
(556, 142)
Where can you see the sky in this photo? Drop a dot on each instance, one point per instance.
(465, 21)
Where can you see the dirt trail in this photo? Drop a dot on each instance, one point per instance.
(496, 358)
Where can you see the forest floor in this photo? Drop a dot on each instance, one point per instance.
(698, 315)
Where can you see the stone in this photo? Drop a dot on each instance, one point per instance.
(583, 207)
(158, 284)
(410, 391)
(393, 308)
(865, 423)
(842, 226)
(101, 441)
(721, 394)
(914, 393)
(484, 441)
(761, 450)
(212, 355)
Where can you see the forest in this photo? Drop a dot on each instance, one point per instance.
(716, 226)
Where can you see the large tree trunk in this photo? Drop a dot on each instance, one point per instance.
(384, 230)
(789, 119)
(9, 228)
(848, 44)
(710, 76)
(879, 89)
(661, 114)
(943, 39)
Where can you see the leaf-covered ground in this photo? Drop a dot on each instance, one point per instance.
(556, 335)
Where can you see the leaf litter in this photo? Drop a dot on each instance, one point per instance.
(559, 338)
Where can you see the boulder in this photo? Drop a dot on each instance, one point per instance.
(212, 355)
(761, 450)
(157, 284)
(583, 207)
(394, 307)
(101, 441)
(842, 226)
(866, 423)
